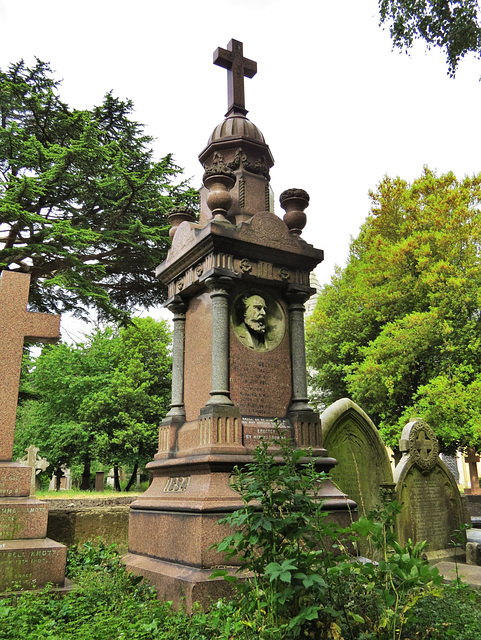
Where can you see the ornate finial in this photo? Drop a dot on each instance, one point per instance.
(178, 215)
(237, 67)
(294, 201)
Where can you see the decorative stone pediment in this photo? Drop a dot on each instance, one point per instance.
(267, 229)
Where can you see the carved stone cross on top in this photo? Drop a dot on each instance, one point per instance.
(424, 445)
(17, 325)
(237, 67)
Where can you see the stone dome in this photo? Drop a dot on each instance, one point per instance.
(236, 126)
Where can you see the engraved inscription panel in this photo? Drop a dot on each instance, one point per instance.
(256, 428)
(432, 507)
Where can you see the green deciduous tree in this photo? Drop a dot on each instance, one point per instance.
(102, 399)
(452, 25)
(83, 203)
(399, 329)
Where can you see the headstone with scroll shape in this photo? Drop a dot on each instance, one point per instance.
(432, 508)
(364, 469)
(36, 464)
(28, 558)
(237, 282)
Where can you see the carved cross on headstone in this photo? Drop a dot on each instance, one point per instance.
(237, 67)
(16, 326)
(37, 464)
(424, 445)
(472, 459)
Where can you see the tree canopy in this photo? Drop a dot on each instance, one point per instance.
(99, 400)
(452, 25)
(83, 203)
(399, 328)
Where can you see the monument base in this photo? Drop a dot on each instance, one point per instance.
(175, 523)
(183, 585)
(31, 564)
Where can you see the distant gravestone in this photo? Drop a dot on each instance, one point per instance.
(99, 480)
(363, 468)
(65, 480)
(452, 464)
(36, 464)
(472, 460)
(432, 507)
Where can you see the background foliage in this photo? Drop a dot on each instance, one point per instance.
(399, 328)
(83, 203)
(451, 25)
(102, 399)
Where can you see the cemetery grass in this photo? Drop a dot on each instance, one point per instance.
(79, 494)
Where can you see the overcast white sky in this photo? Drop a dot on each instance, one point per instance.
(338, 108)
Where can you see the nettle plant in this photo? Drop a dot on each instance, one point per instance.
(296, 574)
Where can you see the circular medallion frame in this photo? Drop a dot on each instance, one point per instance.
(274, 321)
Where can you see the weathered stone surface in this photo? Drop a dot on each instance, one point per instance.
(17, 324)
(473, 553)
(14, 480)
(432, 505)
(79, 524)
(364, 467)
(30, 564)
(181, 584)
(22, 518)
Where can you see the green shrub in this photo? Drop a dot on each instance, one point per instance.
(296, 574)
(106, 603)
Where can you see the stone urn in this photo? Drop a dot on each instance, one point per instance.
(177, 216)
(219, 182)
(294, 201)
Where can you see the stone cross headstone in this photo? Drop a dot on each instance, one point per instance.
(36, 464)
(17, 325)
(27, 557)
(432, 508)
(472, 459)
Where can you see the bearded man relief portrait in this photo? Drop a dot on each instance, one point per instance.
(258, 321)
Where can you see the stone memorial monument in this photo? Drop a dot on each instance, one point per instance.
(428, 493)
(237, 279)
(364, 469)
(28, 558)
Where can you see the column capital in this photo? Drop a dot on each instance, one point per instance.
(298, 295)
(219, 285)
(177, 306)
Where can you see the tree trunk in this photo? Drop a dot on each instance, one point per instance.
(133, 476)
(116, 478)
(58, 475)
(85, 483)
